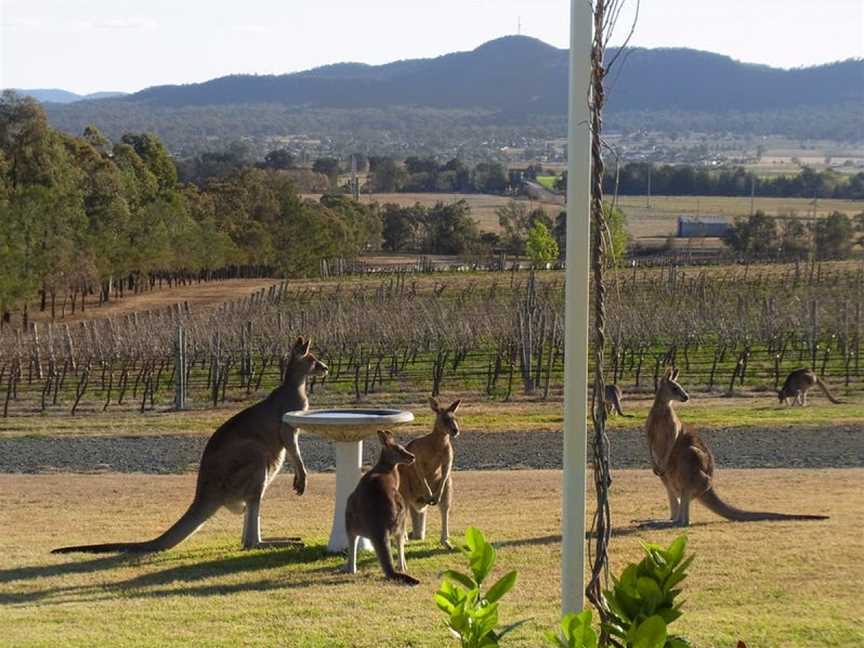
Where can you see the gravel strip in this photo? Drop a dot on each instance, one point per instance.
(837, 447)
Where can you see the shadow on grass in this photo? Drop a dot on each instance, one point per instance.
(251, 562)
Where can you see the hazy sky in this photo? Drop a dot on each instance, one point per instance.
(91, 45)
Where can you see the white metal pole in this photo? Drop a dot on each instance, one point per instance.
(576, 311)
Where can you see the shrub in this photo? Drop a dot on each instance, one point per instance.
(473, 615)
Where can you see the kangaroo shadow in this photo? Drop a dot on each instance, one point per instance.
(186, 573)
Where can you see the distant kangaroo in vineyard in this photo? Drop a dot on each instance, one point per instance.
(429, 480)
(613, 399)
(685, 465)
(376, 510)
(239, 462)
(798, 383)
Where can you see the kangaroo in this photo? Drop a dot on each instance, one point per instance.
(613, 399)
(429, 481)
(798, 383)
(376, 510)
(239, 462)
(685, 464)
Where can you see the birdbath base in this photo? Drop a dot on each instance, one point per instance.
(346, 429)
(349, 469)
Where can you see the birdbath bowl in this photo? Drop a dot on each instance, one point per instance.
(346, 428)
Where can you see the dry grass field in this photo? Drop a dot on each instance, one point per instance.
(658, 220)
(661, 218)
(789, 584)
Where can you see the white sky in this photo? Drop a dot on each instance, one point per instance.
(92, 45)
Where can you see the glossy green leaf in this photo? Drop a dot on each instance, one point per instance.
(501, 587)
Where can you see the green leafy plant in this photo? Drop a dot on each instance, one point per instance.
(472, 614)
(575, 631)
(642, 602)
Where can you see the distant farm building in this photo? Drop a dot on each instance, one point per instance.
(699, 226)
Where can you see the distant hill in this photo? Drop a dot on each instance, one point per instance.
(55, 95)
(507, 82)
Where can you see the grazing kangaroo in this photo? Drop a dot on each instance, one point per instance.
(613, 399)
(239, 462)
(685, 464)
(376, 510)
(430, 479)
(798, 383)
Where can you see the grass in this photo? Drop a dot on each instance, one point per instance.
(791, 584)
(547, 181)
(478, 416)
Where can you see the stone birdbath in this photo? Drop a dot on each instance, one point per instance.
(346, 429)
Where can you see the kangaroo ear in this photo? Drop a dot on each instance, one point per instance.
(675, 373)
(434, 405)
(667, 375)
(454, 406)
(382, 437)
(307, 345)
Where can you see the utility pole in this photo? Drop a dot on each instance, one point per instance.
(578, 248)
(648, 199)
(752, 192)
(355, 185)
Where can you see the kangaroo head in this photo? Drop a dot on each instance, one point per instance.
(669, 390)
(445, 419)
(302, 363)
(392, 452)
(781, 395)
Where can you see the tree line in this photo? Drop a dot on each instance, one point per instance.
(760, 236)
(83, 215)
(640, 178)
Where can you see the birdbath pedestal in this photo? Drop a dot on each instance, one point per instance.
(346, 429)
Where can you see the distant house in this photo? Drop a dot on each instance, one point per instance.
(690, 226)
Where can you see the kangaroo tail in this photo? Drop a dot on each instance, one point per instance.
(830, 396)
(711, 500)
(197, 514)
(382, 550)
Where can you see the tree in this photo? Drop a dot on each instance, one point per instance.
(387, 176)
(834, 236)
(279, 159)
(400, 226)
(490, 177)
(754, 237)
(516, 220)
(616, 225)
(450, 228)
(541, 246)
(328, 166)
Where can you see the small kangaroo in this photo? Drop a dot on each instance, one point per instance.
(376, 510)
(685, 464)
(239, 462)
(613, 399)
(429, 481)
(798, 383)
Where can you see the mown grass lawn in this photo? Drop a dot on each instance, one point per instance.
(772, 584)
(519, 415)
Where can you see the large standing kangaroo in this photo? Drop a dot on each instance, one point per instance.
(685, 464)
(239, 462)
